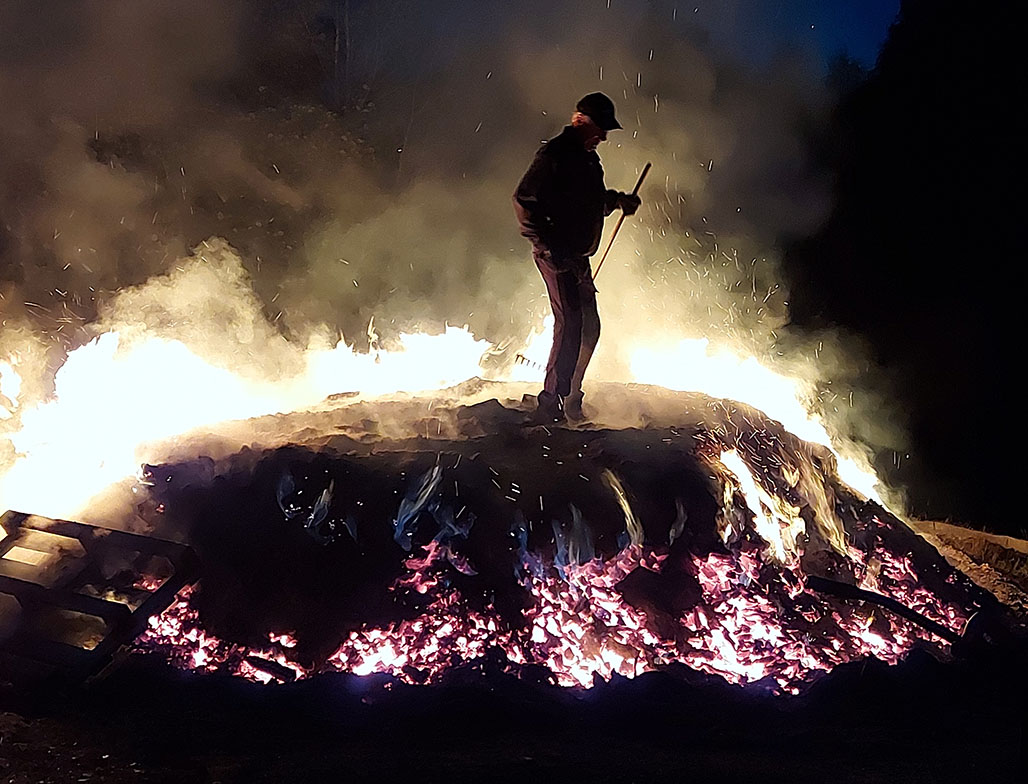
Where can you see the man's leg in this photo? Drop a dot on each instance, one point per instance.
(565, 301)
(590, 337)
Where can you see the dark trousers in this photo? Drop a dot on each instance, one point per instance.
(576, 321)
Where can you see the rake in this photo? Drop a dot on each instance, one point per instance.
(617, 228)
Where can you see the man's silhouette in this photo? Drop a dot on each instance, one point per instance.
(561, 203)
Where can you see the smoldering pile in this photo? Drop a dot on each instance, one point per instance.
(687, 538)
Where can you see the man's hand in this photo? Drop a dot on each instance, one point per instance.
(628, 203)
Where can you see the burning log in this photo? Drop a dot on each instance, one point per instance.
(847, 591)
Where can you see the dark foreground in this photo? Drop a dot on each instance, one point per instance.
(921, 721)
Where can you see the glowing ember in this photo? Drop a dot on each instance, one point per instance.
(752, 620)
(177, 632)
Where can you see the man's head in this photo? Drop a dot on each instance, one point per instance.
(594, 116)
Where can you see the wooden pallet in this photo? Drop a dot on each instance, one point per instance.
(73, 595)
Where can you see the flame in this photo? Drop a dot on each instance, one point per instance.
(777, 521)
(420, 362)
(115, 398)
(534, 353)
(106, 404)
(112, 401)
(692, 366)
(10, 387)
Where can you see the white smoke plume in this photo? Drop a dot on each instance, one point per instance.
(361, 163)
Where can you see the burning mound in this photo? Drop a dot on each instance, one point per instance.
(416, 535)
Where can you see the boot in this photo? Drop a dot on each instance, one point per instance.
(549, 410)
(573, 407)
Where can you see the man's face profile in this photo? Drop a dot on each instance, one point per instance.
(593, 134)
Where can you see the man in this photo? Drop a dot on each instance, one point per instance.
(561, 203)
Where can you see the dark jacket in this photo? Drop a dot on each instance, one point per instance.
(561, 201)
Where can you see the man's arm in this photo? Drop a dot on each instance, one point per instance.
(610, 201)
(533, 199)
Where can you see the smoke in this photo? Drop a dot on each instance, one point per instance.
(360, 157)
(75, 75)
(210, 287)
(730, 176)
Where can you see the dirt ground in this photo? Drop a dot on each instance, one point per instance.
(921, 721)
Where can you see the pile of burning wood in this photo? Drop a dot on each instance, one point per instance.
(720, 542)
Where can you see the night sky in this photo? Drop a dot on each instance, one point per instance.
(826, 28)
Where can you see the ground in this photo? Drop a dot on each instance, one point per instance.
(921, 721)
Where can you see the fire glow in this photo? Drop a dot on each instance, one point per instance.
(112, 401)
(579, 627)
(751, 622)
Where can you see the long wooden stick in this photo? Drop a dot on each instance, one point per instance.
(847, 591)
(617, 228)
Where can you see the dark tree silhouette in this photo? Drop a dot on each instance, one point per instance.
(921, 251)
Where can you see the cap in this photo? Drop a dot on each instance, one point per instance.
(600, 109)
